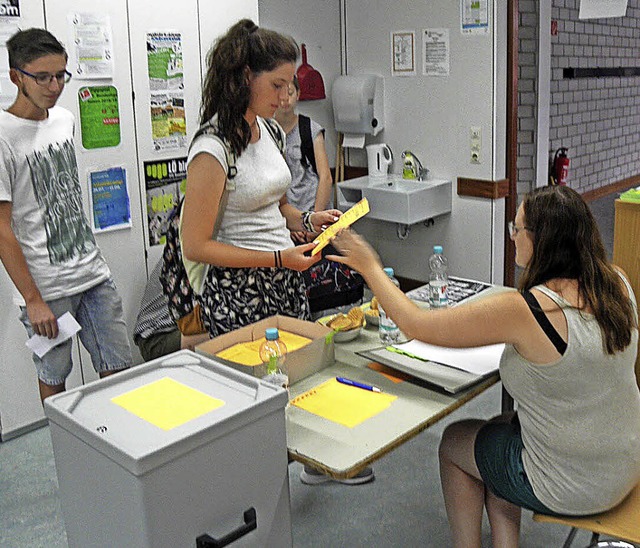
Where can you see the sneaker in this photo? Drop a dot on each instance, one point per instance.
(313, 476)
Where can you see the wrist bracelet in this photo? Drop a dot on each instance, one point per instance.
(277, 259)
(306, 221)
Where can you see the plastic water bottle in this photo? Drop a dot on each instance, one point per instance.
(438, 279)
(387, 328)
(273, 353)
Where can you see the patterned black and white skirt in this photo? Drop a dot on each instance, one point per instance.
(235, 297)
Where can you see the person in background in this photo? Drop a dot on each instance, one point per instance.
(253, 270)
(156, 333)
(311, 181)
(571, 334)
(46, 244)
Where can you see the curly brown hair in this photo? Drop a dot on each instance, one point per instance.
(567, 244)
(225, 91)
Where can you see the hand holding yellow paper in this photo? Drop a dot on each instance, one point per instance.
(346, 219)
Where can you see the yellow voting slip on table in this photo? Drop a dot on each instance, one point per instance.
(248, 353)
(167, 403)
(346, 219)
(343, 404)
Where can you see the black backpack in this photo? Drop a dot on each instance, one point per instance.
(183, 307)
(306, 143)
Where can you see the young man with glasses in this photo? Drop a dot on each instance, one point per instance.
(46, 244)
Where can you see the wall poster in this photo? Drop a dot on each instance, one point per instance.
(165, 182)
(99, 116)
(9, 8)
(166, 86)
(109, 197)
(436, 52)
(91, 49)
(403, 53)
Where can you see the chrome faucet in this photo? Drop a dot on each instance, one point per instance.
(412, 167)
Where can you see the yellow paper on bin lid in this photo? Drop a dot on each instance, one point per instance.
(346, 219)
(167, 403)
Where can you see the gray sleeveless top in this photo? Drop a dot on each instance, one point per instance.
(580, 418)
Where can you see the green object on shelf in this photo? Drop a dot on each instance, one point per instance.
(631, 195)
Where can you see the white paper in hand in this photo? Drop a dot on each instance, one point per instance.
(67, 328)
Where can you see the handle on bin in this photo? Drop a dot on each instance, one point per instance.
(250, 523)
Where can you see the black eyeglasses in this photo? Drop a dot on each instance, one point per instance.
(513, 229)
(45, 78)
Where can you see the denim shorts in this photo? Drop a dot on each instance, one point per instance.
(498, 454)
(104, 334)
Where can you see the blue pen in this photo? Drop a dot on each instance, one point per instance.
(358, 384)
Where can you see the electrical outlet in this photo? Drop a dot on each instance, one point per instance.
(475, 142)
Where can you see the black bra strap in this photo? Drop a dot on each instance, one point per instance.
(545, 324)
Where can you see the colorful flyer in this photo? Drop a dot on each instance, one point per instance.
(99, 116)
(165, 182)
(109, 199)
(166, 85)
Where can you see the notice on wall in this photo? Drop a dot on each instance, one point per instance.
(595, 9)
(166, 85)
(474, 16)
(109, 198)
(91, 48)
(10, 8)
(165, 182)
(403, 53)
(99, 116)
(436, 52)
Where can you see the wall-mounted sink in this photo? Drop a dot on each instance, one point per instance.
(399, 200)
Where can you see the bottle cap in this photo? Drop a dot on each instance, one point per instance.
(388, 271)
(437, 249)
(271, 333)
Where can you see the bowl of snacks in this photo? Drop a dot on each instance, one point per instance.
(372, 313)
(346, 326)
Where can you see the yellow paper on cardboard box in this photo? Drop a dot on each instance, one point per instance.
(248, 353)
(167, 403)
(346, 405)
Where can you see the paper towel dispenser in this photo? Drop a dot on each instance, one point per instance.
(358, 104)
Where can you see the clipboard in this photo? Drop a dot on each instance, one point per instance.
(448, 378)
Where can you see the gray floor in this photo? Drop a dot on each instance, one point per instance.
(402, 507)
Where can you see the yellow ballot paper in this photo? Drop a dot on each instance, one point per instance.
(167, 403)
(248, 353)
(346, 219)
(346, 405)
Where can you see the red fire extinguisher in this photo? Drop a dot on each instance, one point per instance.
(561, 167)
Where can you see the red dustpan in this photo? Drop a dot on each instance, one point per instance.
(310, 80)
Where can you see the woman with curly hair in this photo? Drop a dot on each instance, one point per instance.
(252, 267)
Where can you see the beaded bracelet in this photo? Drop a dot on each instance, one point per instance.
(306, 221)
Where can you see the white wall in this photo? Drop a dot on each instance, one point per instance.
(429, 115)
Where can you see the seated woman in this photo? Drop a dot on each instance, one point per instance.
(571, 335)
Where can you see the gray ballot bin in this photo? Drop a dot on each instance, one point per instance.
(178, 452)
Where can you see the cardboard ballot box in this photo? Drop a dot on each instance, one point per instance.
(180, 451)
(301, 363)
